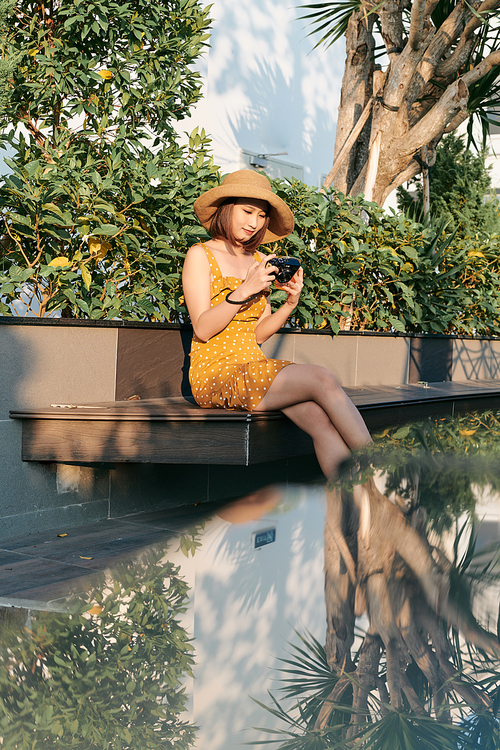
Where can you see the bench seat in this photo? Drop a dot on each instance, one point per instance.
(177, 431)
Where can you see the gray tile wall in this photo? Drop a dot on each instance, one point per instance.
(476, 360)
(40, 366)
(354, 360)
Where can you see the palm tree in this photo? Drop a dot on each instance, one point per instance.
(414, 70)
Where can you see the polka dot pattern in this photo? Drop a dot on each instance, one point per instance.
(230, 371)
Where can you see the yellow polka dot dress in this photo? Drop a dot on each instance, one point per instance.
(230, 371)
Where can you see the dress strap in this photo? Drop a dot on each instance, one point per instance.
(214, 266)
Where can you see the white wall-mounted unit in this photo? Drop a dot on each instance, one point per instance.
(272, 166)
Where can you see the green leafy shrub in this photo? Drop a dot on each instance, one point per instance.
(110, 675)
(98, 206)
(459, 183)
(454, 458)
(97, 213)
(93, 236)
(366, 269)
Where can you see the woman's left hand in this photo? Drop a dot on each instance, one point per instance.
(293, 288)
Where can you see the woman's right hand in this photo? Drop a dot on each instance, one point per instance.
(258, 278)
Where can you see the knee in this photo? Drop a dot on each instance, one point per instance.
(327, 382)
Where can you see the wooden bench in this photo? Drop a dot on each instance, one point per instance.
(176, 431)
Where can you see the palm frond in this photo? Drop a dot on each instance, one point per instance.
(403, 731)
(484, 94)
(480, 731)
(307, 671)
(330, 19)
(299, 734)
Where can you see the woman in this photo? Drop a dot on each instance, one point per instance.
(226, 288)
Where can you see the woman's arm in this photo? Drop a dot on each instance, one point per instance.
(209, 321)
(270, 323)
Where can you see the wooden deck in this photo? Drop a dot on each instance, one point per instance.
(176, 431)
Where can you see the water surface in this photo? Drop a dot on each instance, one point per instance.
(338, 616)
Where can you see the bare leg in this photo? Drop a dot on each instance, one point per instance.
(329, 447)
(298, 384)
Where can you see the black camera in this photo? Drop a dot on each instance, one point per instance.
(287, 267)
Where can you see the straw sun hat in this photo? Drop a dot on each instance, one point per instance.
(245, 183)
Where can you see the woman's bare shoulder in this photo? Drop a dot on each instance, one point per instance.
(197, 251)
(196, 259)
(201, 248)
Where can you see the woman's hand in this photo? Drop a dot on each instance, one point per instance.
(293, 288)
(270, 322)
(258, 278)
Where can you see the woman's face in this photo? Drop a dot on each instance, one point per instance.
(249, 215)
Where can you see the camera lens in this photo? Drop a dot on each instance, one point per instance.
(287, 267)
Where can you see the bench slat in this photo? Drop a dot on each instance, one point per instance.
(177, 431)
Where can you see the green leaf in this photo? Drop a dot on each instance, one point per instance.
(86, 276)
(106, 229)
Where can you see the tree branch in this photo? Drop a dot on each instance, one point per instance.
(328, 706)
(429, 8)
(467, 42)
(372, 166)
(457, 59)
(391, 23)
(453, 101)
(445, 36)
(456, 122)
(394, 672)
(484, 67)
(35, 132)
(403, 84)
(349, 143)
(475, 22)
(417, 24)
(356, 90)
(412, 697)
(469, 693)
(412, 170)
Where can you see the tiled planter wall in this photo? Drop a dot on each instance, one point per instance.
(64, 362)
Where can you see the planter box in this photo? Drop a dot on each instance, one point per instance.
(56, 361)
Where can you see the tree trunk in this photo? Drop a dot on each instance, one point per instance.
(422, 94)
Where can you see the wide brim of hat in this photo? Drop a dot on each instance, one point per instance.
(281, 221)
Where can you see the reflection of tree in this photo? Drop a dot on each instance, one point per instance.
(444, 487)
(425, 674)
(378, 561)
(107, 676)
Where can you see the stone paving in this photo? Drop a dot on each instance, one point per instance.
(39, 570)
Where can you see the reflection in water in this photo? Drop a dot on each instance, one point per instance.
(425, 671)
(166, 652)
(252, 506)
(110, 677)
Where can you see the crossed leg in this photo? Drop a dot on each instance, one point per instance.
(311, 397)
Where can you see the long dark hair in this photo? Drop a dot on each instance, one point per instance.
(221, 226)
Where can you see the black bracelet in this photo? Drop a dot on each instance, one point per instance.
(240, 302)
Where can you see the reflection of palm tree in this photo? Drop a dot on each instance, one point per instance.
(379, 561)
(406, 685)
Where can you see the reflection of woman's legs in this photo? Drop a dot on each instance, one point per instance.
(296, 385)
